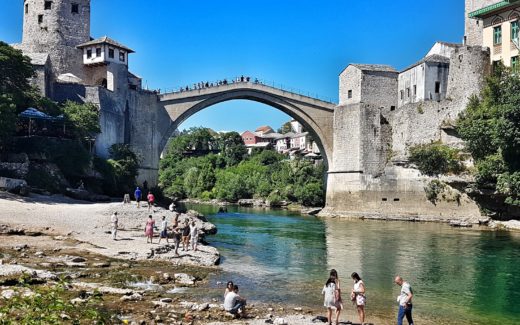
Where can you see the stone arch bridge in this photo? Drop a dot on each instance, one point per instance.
(315, 115)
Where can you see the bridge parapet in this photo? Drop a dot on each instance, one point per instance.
(215, 89)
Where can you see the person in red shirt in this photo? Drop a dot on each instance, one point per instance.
(151, 200)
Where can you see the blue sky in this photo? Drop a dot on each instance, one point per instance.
(303, 44)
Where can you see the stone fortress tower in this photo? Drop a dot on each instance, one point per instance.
(55, 28)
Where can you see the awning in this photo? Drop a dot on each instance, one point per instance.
(33, 113)
(481, 13)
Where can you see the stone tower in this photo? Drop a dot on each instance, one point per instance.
(56, 27)
(474, 27)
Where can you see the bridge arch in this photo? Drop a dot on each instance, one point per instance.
(315, 115)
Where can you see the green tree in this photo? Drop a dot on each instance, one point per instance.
(15, 73)
(491, 128)
(231, 147)
(285, 128)
(7, 120)
(124, 166)
(84, 118)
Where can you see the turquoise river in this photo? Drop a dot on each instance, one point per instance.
(460, 276)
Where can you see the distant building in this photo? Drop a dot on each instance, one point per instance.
(496, 25)
(296, 141)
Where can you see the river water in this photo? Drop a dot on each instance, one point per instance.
(459, 276)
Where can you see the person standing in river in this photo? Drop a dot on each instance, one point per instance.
(405, 301)
(332, 293)
(148, 229)
(358, 296)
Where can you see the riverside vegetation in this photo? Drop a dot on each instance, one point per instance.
(192, 169)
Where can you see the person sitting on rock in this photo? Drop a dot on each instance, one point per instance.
(234, 304)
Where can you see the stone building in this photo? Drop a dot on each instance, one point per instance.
(427, 79)
(499, 24)
(368, 83)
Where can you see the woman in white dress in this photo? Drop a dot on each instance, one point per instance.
(358, 296)
(332, 299)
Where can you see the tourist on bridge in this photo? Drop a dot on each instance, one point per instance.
(137, 195)
(151, 200)
(148, 229)
(114, 223)
(358, 296)
(233, 303)
(332, 293)
(405, 301)
(164, 230)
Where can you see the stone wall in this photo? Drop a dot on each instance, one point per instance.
(474, 27)
(379, 88)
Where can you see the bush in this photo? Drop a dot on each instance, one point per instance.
(489, 169)
(509, 184)
(436, 159)
(433, 190)
(274, 198)
(311, 195)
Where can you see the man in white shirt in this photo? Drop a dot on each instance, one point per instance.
(233, 303)
(405, 301)
(114, 223)
(194, 235)
(164, 230)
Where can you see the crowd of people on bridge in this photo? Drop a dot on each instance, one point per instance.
(207, 84)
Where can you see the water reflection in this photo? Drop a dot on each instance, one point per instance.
(459, 276)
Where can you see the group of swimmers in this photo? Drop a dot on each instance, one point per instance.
(334, 302)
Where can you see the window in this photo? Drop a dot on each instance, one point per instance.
(349, 94)
(40, 19)
(392, 108)
(98, 52)
(121, 56)
(407, 92)
(26, 8)
(89, 54)
(48, 5)
(437, 87)
(111, 53)
(415, 90)
(515, 30)
(75, 8)
(514, 63)
(402, 94)
(497, 35)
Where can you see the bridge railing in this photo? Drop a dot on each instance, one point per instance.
(231, 81)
